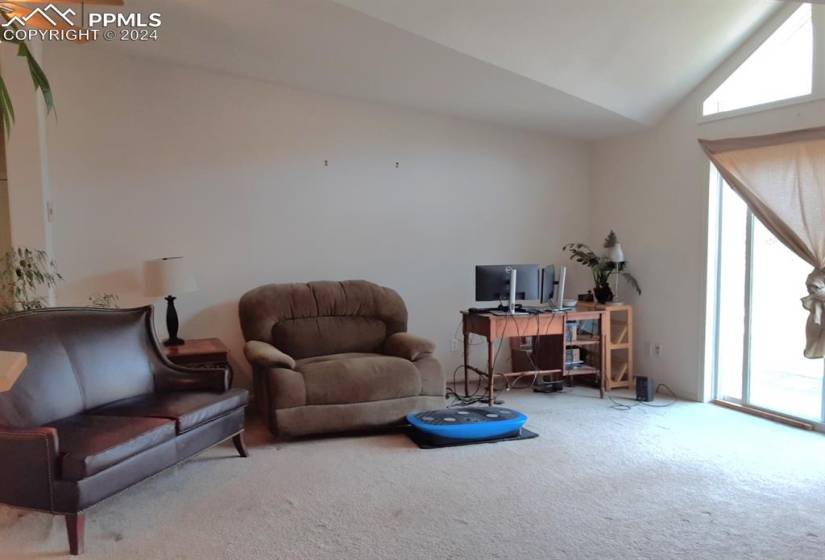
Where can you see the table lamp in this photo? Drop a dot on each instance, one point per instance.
(12, 365)
(164, 277)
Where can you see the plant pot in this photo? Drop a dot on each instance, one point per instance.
(603, 294)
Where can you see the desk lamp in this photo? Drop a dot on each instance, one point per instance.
(165, 277)
(12, 365)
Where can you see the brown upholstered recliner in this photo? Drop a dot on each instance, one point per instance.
(99, 408)
(335, 356)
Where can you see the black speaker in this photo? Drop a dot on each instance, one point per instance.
(645, 389)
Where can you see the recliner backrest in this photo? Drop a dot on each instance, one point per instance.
(78, 359)
(322, 318)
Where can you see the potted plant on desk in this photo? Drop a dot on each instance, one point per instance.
(603, 267)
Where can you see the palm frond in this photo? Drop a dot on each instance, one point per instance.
(6, 107)
(582, 254)
(41, 82)
(632, 281)
(602, 268)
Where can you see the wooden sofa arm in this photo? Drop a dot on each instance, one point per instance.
(27, 470)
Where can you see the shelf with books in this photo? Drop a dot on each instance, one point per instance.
(580, 369)
(584, 344)
(586, 341)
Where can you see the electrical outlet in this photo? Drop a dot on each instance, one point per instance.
(453, 345)
(657, 350)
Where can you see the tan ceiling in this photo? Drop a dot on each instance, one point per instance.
(580, 68)
(637, 58)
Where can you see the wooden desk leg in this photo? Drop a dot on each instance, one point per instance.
(466, 359)
(490, 365)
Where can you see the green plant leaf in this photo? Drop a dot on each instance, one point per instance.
(6, 107)
(39, 78)
(632, 281)
(22, 272)
(41, 82)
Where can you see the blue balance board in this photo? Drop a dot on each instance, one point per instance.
(469, 423)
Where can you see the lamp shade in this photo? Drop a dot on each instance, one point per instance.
(616, 253)
(12, 365)
(167, 276)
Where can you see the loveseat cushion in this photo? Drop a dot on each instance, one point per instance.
(89, 443)
(188, 409)
(358, 377)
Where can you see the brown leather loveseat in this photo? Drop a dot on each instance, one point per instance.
(335, 356)
(99, 408)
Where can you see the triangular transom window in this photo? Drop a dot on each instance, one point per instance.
(781, 68)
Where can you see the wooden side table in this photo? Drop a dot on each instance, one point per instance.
(201, 353)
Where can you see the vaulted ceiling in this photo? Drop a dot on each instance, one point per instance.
(580, 68)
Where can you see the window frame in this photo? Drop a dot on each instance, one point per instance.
(715, 232)
(817, 78)
(771, 105)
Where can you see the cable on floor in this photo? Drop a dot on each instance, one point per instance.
(625, 406)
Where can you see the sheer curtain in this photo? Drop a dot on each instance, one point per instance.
(781, 177)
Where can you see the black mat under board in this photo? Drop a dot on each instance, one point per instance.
(425, 441)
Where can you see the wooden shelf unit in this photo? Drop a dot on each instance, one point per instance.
(618, 354)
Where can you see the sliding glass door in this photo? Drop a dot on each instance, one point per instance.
(760, 322)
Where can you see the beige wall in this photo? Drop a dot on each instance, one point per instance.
(652, 187)
(5, 224)
(166, 160)
(26, 161)
(5, 221)
(26, 189)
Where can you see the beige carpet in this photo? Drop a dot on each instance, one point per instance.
(690, 481)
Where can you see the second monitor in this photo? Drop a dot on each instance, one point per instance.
(548, 288)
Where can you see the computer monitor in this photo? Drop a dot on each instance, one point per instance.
(493, 282)
(548, 284)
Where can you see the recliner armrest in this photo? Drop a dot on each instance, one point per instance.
(28, 466)
(408, 346)
(263, 354)
(176, 378)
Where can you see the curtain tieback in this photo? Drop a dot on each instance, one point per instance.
(815, 300)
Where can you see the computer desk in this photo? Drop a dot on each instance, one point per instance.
(496, 327)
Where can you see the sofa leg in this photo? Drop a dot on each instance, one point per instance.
(240, 445)
(76, 528)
